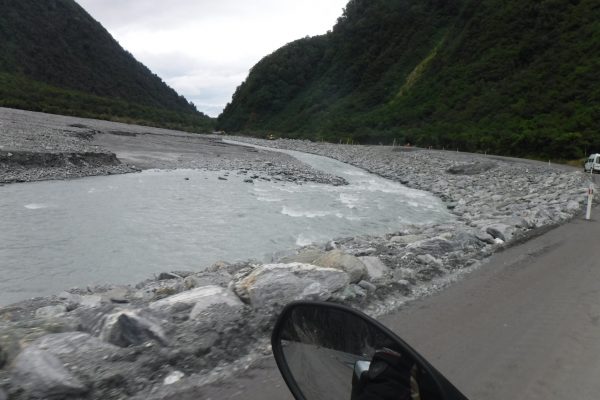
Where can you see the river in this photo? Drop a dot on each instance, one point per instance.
(121, 229)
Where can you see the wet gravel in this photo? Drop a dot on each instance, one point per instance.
(37, 146)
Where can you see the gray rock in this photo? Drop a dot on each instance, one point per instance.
(205, 343)
(473, 168)
(353, 293)
(202, 297)
(485, 237)
(518, 222)
(3, 357)
(173, 377)
(117, 295)
(376, 269)
(167, 275)
(428, 259)
(218, 266)
(127, 328)
(436, 246)
(407, 239)
(466, 240)
(76, 300)
(331, 245)
(501, 231)
(306, 255)
(279, 284)
(91, 301)
(74, 343)
(368, 286)
(3, 395)
(216, 295)
(43, 376)
(66, 296)
(51, 311)
(572, 205)
(219, 277)
(337, 259)
(364, 252)
(156, 290)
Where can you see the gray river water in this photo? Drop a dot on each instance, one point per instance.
(122, 229)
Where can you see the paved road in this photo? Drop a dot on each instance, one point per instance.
(524, 326)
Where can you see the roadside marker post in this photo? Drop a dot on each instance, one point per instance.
(588, 214)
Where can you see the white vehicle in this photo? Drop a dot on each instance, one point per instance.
(593, 162)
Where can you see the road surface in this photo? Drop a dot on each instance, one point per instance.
(526, 325)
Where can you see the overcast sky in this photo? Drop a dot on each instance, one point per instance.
(205, 48)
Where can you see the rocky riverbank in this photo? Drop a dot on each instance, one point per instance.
(176, 332)
(37, 146)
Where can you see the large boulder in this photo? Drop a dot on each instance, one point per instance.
(199, 299)
(127, 328)
(221, 298)
(337, 259)
(104, 368)
(279, 284)
(51, 311)
(376, 269)
(43, 376)
(65, 365)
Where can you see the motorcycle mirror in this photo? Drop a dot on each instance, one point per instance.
(327, 351)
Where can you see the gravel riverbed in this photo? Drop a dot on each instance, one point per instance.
(37, 146)
(181, 330)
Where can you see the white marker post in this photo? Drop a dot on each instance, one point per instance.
(588, 214)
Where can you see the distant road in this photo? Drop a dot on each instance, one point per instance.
(526, 325)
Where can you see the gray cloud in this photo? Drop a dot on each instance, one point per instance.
(205, 48)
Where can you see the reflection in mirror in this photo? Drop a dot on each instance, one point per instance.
(325, 348)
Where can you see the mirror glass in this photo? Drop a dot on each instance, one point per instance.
(323, 348)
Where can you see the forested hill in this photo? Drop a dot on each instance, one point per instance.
(55, 57)
(517, 77)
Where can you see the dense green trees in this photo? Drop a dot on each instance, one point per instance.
(21, 92)
(515, 77)
(55, 57)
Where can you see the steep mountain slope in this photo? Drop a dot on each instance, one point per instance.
(55, 57)
(509, 76)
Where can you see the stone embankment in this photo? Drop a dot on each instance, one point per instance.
(181, 330)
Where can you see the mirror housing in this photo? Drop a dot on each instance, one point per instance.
(328, 351)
